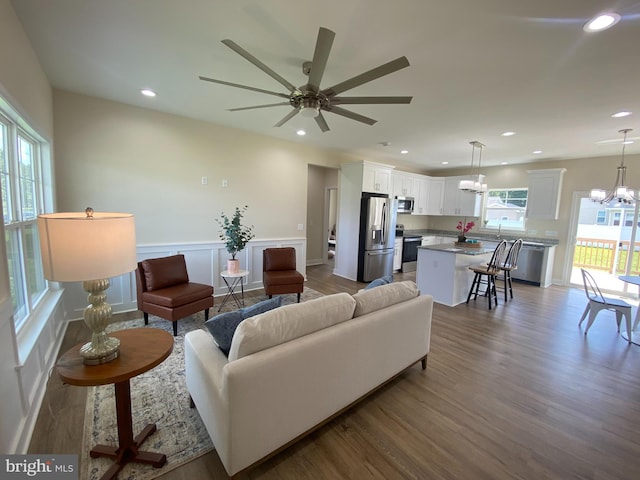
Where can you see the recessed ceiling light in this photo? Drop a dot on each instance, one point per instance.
(508, 134)
(404, 152)
(537, 152)
(302, 133)
(621, 114)
(601, 22)
(148, 92)
(504, 163)
(445, 163)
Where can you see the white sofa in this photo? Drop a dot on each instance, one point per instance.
(293, 368)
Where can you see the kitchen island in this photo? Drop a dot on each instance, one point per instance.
(443, 271)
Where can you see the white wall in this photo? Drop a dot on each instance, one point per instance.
(22, 377)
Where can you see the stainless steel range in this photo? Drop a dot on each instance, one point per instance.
(410, 244)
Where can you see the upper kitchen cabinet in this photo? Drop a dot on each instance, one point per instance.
(435, 194)
(543, 198)
(458, 202)
(404, 184)
(430, 195)
(376, 177)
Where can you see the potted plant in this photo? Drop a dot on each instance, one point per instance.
(235, 236)
(463, 227)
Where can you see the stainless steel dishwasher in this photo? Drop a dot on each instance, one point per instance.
(529, 263)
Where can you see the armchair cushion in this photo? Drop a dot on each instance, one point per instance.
(177, 295)
(164, 272)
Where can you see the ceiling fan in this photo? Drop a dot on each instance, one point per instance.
(310, 100)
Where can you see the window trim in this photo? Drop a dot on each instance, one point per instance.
(485, 209)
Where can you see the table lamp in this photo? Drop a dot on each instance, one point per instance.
(90, 247)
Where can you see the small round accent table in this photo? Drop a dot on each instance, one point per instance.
(141, 349)
(232, 280)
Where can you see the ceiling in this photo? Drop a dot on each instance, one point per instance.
(478, 68)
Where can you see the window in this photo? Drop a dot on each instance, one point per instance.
(601, 217)
(21, 175)
(505, 208)
(628, 219)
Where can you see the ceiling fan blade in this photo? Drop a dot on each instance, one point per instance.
(351, 115)
(320, 57)
(259, 106)
(237, 85)
(242, 52)
(369, 100)
(322, 123)
(287, 117)
(381, 71)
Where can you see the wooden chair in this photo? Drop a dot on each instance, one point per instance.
(279, 274)
(509, 265)
(486, 275)
(596, 302)
(164, 289)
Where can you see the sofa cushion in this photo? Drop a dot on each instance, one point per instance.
(223, 326)
(289, 322)
(368, 301)
(379, 281)
(165, 272)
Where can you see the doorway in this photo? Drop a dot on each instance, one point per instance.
(331, 214)
(604, 242)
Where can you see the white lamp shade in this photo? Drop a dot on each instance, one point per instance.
(76, 248)
(465, 185)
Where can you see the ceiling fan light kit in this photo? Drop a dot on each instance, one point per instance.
(309, 100)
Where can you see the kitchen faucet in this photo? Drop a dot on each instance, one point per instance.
(498, 236)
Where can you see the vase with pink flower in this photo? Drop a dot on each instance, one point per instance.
(463, 227)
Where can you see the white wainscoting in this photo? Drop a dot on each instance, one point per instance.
(205, 261)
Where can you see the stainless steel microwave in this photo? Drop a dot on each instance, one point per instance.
(405, 204)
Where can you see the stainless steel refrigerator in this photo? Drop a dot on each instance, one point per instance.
(377, 236)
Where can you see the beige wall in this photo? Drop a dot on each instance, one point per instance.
(115, 157)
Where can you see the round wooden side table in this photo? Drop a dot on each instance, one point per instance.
(141, 349)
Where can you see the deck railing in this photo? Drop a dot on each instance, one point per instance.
(598, 254)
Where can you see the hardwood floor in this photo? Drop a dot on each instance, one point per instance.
(518, 392)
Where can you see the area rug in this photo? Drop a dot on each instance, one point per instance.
(158, 396)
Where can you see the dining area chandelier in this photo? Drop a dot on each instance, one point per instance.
(475, 183)
(620, 191)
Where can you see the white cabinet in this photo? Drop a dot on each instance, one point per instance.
(429, 197)
(435, 196)
(429, 240)
(376, 178)
(422, 197)
(458, 202)
(404, 184)
(397, 254)
(543, 198)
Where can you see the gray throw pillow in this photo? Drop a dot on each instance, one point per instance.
(379, 281)
(223, 326)
(261, 307)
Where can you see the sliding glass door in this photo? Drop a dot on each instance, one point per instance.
(605, 244)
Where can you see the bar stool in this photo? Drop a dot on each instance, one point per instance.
(486, 275)
(509, 265)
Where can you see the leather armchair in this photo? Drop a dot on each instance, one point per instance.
(279, 274)
(164, 289)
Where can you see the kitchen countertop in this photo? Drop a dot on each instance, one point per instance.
(489, 237)
(452, 248)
